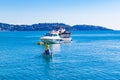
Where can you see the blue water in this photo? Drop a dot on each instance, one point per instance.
(92, 55)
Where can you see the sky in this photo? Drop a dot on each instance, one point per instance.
(104, 13)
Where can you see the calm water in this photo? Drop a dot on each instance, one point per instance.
(92, 55)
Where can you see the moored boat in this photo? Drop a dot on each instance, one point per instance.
(60, 36)
(65, 35)
(52, 37)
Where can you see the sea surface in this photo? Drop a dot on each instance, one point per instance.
(92, 55)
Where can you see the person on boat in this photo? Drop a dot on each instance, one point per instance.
(47, 50)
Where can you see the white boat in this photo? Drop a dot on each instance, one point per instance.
(66, 40)
(60, 36)
(65, 35)
(52, 37)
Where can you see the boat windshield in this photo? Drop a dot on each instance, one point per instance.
(48, 34)
(53, 34)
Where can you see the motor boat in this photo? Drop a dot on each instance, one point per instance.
(60, 36)
(65, 35)
(52, 37)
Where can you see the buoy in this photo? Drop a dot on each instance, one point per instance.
(40, 43)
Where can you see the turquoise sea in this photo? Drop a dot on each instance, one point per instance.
(92, 55)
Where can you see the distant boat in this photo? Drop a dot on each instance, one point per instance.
(60, 36)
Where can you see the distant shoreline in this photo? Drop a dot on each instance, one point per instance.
(49, 26)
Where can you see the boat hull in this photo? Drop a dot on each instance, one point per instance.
(51, 40)
(66, 40)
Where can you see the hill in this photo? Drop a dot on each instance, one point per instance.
(47, 26)
(88, 27)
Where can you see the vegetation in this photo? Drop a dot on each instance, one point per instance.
(47, 26)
